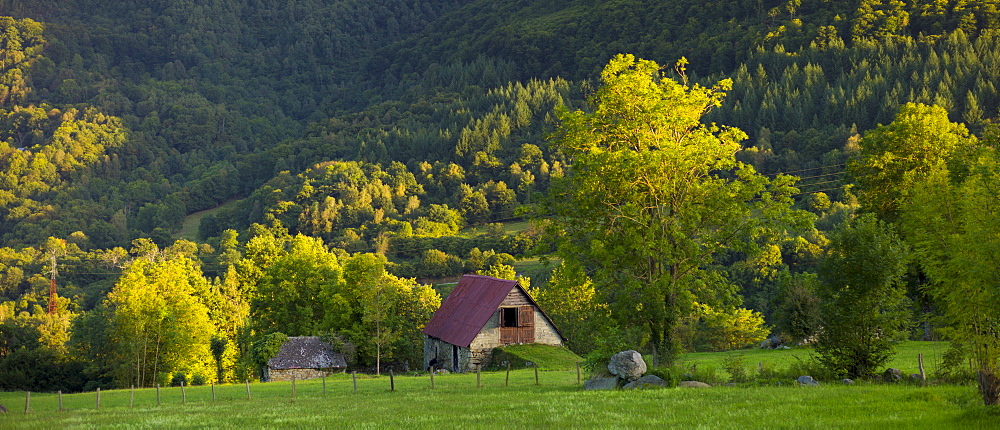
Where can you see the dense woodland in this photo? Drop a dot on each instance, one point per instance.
(343, 150)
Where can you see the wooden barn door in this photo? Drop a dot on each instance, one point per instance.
(526, 324)
(508, 326)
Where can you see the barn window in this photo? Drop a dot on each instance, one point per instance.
(508, 317)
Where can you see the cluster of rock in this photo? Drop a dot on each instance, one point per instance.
(628, 372)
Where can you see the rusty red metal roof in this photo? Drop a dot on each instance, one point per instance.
(467, 309)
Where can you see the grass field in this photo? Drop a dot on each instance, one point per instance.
(557, 402)
(906, 358)
(189, 228)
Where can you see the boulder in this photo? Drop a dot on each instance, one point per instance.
(807, 380)
(3, 410)
(442, 371)
(771, 342)
(627, 365)
(693, 384)
(601, 384)
(915, 377)
(847, 381)
(892, 375)
(647, 381)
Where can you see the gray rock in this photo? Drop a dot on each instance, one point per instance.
(892, 375)
(848, 381)
(647, 381)
(601, 384)
(693, 384)
(916, 378)
(627, 365)
(3, 410)
(771, 342)
(807, 380)
(442, 371)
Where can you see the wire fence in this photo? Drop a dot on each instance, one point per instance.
(333, 385)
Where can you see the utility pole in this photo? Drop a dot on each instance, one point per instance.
(52, 285)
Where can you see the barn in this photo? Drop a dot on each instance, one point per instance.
(480, 314)
(304, 357)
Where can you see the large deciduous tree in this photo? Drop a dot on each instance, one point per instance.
(953, 227)
(160, 321)
(894, 157)
(653, 196)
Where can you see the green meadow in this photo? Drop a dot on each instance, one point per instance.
(906, 359)
(556, 401)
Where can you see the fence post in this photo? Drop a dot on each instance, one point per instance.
(506, 382)
(432, 377)
(247, 381)
(131, 397)
(98, 398)
(184, 396)
(60, 401)
(923, 374)
(27, 402)
(293, 388)
(324, 383)
(213, 391)
(478, 380)
(354, 376)
(157, 394)
(392, 381)
(535, 365)
(577, 373)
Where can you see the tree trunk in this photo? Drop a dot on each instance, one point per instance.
(670, 346)
(989, 387)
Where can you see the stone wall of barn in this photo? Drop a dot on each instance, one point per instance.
(298, 374)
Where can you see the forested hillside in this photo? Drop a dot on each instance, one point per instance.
(389, 140)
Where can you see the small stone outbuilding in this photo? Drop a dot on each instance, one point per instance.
(304, 357)
(480, 314)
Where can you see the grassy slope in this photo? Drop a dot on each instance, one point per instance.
(557, 402)
(189, 229)
(546, 356)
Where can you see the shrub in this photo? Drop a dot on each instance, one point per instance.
(736, 366)
(726, 330)
(178, 379)
(670, 375)
(198, 379)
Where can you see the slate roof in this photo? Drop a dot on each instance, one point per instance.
(306, 352)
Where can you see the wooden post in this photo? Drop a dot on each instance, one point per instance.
(60, 401)
(213, 391)
(293, 387)
(392, 381)
(157, 394)
(354, 376)
(478, 380)
(324, 383)
(432, 377)
(98, 398)
(27, 402)
(577, 373)
(506, 382)
(923, 374)
(247, 381)
(184, 396)
(131, 397)
(535, 365)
